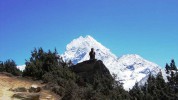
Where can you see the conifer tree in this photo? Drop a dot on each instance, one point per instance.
(167, 68)
(41, 62)
(1, 66)
(10, 67)
(172, 65)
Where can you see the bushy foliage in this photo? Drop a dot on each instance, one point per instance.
(42, 62)
(96, 84)
(10, 67)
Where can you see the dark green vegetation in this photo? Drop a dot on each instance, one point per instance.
(9, 66)
(91, 80)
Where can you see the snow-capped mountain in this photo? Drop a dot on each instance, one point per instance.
(21, 67)
(134, 68)
(78, 50)
(128, 68)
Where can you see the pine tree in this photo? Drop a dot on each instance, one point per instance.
(167, 68)
(42, 62)
(172, 65)
(1, 66)
(10, 67)
(172, 81)
(136, 92)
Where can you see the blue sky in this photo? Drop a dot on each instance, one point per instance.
(145, 27)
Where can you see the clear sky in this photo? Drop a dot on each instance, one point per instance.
(145, 27)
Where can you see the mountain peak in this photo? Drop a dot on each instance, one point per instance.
(129, 68)
(84, 42)
(86, 38)
(78, 49)
(89, 37)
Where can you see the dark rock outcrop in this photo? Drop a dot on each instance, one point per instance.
(34, 89)
(93, 72)
(90, 66)
(19, 89)
(26, 96)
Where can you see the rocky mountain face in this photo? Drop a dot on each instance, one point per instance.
(129, 68)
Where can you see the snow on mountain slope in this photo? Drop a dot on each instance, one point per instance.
(144, 80)
(21, 67)
(128, 68)
(78, 50)
(134, 68)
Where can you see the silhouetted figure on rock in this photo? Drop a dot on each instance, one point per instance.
(92, 54)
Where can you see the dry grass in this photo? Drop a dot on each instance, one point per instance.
(7, 82)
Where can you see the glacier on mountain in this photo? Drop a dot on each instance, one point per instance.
(129, 68)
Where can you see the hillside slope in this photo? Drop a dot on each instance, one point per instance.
(11, 82)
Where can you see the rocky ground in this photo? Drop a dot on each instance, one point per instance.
(8, 83)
